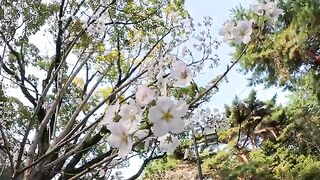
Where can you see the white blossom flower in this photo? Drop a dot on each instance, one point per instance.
(119, 138)
(259, 9)
(144, 95)
(168, 59)
(242, 33)
(181, 74)
(141, 133)
(269, 9)
(110, 113)
(184, 51)
(105, 2)
(92, 29)
(95, 17)
(199, 48)
(209, 50)
(189, 124)
(131, 115)
(226, 30)
(272, 11)
(166, 116)
(168, 143)
(101, 173)
(101, 27)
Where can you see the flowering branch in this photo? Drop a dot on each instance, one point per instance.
(214, 85)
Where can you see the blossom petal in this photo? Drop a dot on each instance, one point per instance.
(181, 108)
(176, 126)
(125, 148)
(110, 113)
(142, 133)
(164, 103)
(114, 141)
(160, 128)
(144, 95)
(129, 124)
(154, 114)
(115, 128)
(168, 143)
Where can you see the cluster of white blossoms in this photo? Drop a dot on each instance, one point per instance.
(131, 115)
(268, 9)
(96, 24)
(165, 116)
(241, 31)
(207, 120)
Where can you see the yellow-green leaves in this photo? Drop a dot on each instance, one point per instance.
(112, 56)
(105, 91)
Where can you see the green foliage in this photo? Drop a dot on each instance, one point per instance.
(284, 52)
(160, 166)
(273, 141)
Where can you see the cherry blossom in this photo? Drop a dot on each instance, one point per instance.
(142, 133)
(272, 11)
(269, 9)
(92, 29)
(184, 51)
(226, 30)
(101, 27)
(104, 2)
(144, 95)
(119, 138)
(242, 33)
(181, 74)
(110, 113)
(131, 115)
(259, 9)
(168, 143)
(166, 116)
(101, 173)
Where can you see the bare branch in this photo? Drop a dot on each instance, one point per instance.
(144, 164)
(49, 113)
(109, 158)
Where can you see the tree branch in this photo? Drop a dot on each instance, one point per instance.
(144, 164)
(6, 149)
